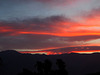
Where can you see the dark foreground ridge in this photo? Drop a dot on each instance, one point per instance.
(15, 63)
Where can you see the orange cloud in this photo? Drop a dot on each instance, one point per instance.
(57, 28)
(54, 28)
(87, 52)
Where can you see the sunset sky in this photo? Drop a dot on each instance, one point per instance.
(39, 25)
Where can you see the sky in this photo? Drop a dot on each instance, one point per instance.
(37, 25)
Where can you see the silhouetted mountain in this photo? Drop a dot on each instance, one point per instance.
(76, 64)
(10, 52)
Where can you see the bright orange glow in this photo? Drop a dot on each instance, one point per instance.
(60, 28)
(86, 52)
(75, 30)
(55, 53)
(41, 52)
(63, 34)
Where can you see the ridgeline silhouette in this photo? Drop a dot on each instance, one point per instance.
(14, 63)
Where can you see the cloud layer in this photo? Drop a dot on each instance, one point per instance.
(49, 24)
(42, 33)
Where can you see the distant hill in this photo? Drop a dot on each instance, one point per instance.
(77, 64)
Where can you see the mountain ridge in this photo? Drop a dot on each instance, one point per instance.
(77, 64)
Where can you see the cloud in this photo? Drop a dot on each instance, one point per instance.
(39, 42)
(54, 25)
(43, 33)
(45, 26)
(79, 49)
(32, 24)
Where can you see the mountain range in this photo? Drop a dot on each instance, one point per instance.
(76, 64)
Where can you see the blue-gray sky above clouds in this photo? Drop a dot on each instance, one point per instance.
(42, 8)
(47, 24)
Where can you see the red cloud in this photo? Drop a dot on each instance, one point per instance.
(56, 26)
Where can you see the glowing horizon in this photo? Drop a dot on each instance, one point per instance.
(52, 53)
